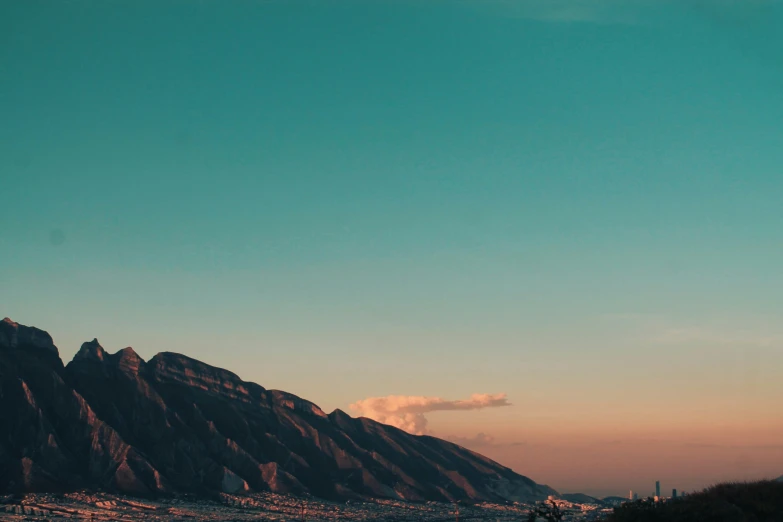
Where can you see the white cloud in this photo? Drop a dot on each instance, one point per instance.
(407, 412)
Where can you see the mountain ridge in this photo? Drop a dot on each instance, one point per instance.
(175, 424)
(581, 498)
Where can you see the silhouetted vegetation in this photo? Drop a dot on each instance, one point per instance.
(735, 502)
(549, 512)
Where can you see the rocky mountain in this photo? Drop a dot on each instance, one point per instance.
(173, 424)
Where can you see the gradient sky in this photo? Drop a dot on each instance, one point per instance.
(577, 204)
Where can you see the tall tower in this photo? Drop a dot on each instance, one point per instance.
(674, 493)
(630, 495)
(658, 488)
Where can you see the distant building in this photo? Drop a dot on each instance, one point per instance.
(630, 495)
(657, 488)
(674, 493)
(635, 496)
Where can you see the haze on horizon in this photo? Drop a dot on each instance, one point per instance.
(550, 232)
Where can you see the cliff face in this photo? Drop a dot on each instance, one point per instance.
(174, 424)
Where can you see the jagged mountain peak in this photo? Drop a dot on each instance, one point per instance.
(128, 358)
(184, 363)
(337, 413)
(15, 335)
(90, 350)
(173, 367)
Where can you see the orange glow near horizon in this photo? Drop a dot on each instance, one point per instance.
(608, 449)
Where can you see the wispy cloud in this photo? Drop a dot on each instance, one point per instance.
(480, 440)
(483, 440)
(408, 412)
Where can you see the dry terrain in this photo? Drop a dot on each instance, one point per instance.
(263, 506)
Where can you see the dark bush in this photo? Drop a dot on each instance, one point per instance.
(735, 502)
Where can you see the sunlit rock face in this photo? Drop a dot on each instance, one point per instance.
(91, 351)
(50, 436)
(174, 424)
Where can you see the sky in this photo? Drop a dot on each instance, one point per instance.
(550, 231)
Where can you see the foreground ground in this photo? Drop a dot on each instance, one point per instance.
(257, 507)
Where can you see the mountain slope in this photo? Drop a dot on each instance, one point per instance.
(580, 498)
(174, 424)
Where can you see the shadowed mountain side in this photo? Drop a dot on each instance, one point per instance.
(174, 424)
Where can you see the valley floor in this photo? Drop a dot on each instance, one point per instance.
(265, 506)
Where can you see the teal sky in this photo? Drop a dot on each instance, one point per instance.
(347, 199)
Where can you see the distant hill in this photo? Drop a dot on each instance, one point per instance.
(173, 424)
(580, 498)
(739, 502)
